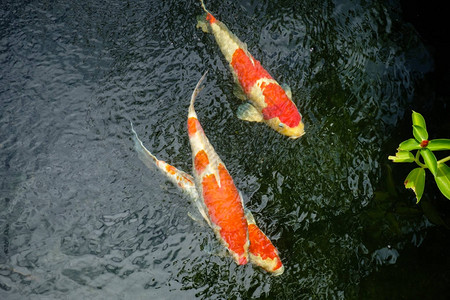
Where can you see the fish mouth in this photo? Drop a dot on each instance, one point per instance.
(279, 271)
(295, 132)
(294, 137)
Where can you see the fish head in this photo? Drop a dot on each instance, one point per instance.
(291, 132)
(280, 112)
(262, 252)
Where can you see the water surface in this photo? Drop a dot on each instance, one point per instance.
(82, 217)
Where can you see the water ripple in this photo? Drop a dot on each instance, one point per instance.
(81, 217)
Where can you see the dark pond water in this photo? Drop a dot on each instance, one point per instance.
(82, 218)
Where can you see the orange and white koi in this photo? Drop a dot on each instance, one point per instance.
(222, 200)
(269, 102)
(261, 250)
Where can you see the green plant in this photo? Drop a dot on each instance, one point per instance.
(424, 147)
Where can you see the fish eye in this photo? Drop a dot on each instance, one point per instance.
(281, 125)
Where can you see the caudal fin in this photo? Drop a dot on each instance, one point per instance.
(202, 23)
(204, 20)
(194, 95)
(204, 7)
(144, 155)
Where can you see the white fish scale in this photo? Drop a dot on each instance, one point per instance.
(228, 42)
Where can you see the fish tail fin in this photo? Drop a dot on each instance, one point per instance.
(202, 23)
(194, 95)
(205, 20)
(204, 7)
(144, 155)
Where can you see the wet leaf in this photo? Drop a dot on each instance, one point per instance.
(418, 120)
(420, 133)
(430, 160)
(439, 144)
(408, 145)
(402, 156)
(443, 179)
(416, 181)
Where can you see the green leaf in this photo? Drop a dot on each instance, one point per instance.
(418, 120)
(430, 160)
(416, 181)
(443, 179)
(402, 156)
(439, 144)
(409, 145)
(420, 133)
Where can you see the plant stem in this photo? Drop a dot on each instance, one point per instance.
(443, 160)
(417, 160)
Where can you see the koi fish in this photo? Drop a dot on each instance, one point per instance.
(222, 200)
(261, 250)
(269, 102)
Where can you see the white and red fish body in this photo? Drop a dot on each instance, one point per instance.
(222, 200)
(261, 250)
(270, 103)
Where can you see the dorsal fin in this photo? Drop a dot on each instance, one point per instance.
(288, 90)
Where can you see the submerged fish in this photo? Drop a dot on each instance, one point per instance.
(222, 201)
(261, 251)
(269, 102)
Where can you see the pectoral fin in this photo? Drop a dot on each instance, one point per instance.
(288, 90)
(239, 93)
(202, 209)
(248, 112)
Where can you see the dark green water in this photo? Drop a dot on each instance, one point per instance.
(82, 218)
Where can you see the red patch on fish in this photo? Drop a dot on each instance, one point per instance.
(171, 169)
(261, 246)
(247, 71)
(193, 126)
(225, 210)
(201, 161)
(210, 18)
(279, 105)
